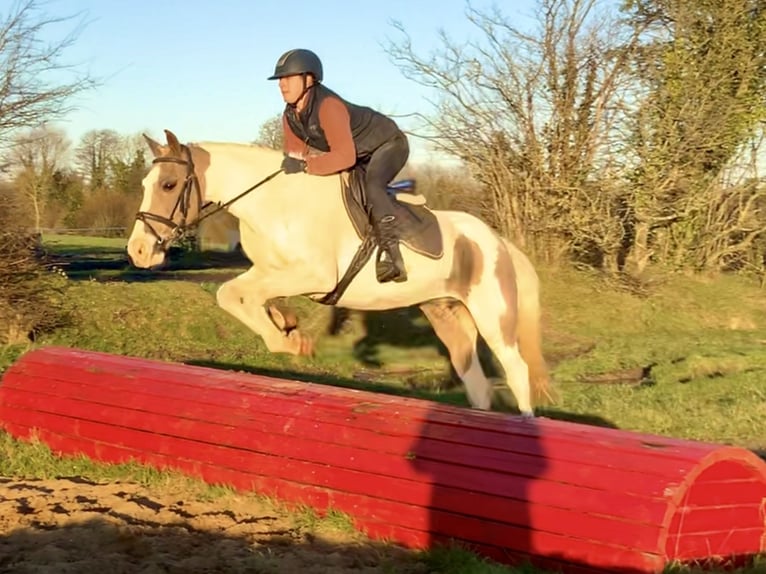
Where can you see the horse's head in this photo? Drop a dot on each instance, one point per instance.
(172, 199)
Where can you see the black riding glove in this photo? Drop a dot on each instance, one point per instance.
(293, 165)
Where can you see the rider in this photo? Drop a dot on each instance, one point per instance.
(347, 135)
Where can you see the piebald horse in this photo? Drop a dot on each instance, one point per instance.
(297, 232)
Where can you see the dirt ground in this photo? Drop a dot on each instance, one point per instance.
(72, 525)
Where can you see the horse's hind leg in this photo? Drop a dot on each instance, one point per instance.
(454, 326)
(492, 302)
(497, 332)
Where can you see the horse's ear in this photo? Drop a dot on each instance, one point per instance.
(173, 142)
(153, 145)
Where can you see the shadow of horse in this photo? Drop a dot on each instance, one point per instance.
(109, 265)
(319, 378)
(454, 396)
(405, 328)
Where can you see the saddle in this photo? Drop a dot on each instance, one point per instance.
(416, 227)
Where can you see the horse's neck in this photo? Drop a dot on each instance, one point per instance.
(284, 200)
(235, 168)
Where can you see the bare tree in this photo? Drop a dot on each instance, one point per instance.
(128, 167)
(94, 154)
(36, 87)
(36, 84)
(534, 114)
(38, 154)
(270, 133)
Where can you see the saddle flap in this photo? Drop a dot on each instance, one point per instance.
(417, 226)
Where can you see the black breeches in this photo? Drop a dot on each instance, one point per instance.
(384, 164)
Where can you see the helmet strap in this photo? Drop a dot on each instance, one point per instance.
(303, 93)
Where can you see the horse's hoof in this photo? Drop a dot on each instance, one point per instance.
(283, 317)
(300, 344)
(307, 347)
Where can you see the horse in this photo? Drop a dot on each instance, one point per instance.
(303, 237)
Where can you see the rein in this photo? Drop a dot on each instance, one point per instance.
(191, 185)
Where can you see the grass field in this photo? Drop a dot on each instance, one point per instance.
(684, 356)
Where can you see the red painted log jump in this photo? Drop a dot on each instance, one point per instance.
(563, 495)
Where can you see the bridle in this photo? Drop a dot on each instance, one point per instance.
(191, 187)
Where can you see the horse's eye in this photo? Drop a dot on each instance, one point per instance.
(168, 185)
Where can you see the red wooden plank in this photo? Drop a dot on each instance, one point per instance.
(716, 543)
(388, 421)
(711, 494)
(280, 427)
(724, 471)
(575, 497)
(707, 519)
(416, 490)
(645, 464)
(374, 405)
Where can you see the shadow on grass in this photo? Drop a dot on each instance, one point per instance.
(66, 251)
(405, 328)
(114, 266)
(579, 418)
(453, 397)
(408, 329)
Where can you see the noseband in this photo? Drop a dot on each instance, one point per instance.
(190, 185)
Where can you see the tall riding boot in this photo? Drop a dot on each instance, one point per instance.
(389, 264)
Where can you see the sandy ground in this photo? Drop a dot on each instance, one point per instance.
(71, 525)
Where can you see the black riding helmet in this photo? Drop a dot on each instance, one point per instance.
(298, 61)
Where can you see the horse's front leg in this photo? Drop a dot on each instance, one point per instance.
(245, 298)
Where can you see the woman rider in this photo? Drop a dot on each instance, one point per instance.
(347, 136)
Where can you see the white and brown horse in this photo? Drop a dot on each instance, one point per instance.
(297, 232)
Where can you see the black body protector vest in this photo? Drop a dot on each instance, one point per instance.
(370, 129)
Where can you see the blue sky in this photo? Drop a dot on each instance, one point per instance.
(199, 67)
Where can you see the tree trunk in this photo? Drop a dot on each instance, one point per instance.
(640, 253)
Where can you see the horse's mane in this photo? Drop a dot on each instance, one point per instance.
(250, 146)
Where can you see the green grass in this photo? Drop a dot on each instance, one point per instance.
(702, 343)
(699, 343)
(86, 245)
(33, 459)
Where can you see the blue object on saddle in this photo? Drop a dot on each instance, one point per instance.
(407, 185)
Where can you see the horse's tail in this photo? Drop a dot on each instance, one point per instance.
(529, 328)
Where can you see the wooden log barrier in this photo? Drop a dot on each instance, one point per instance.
(567, 496)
